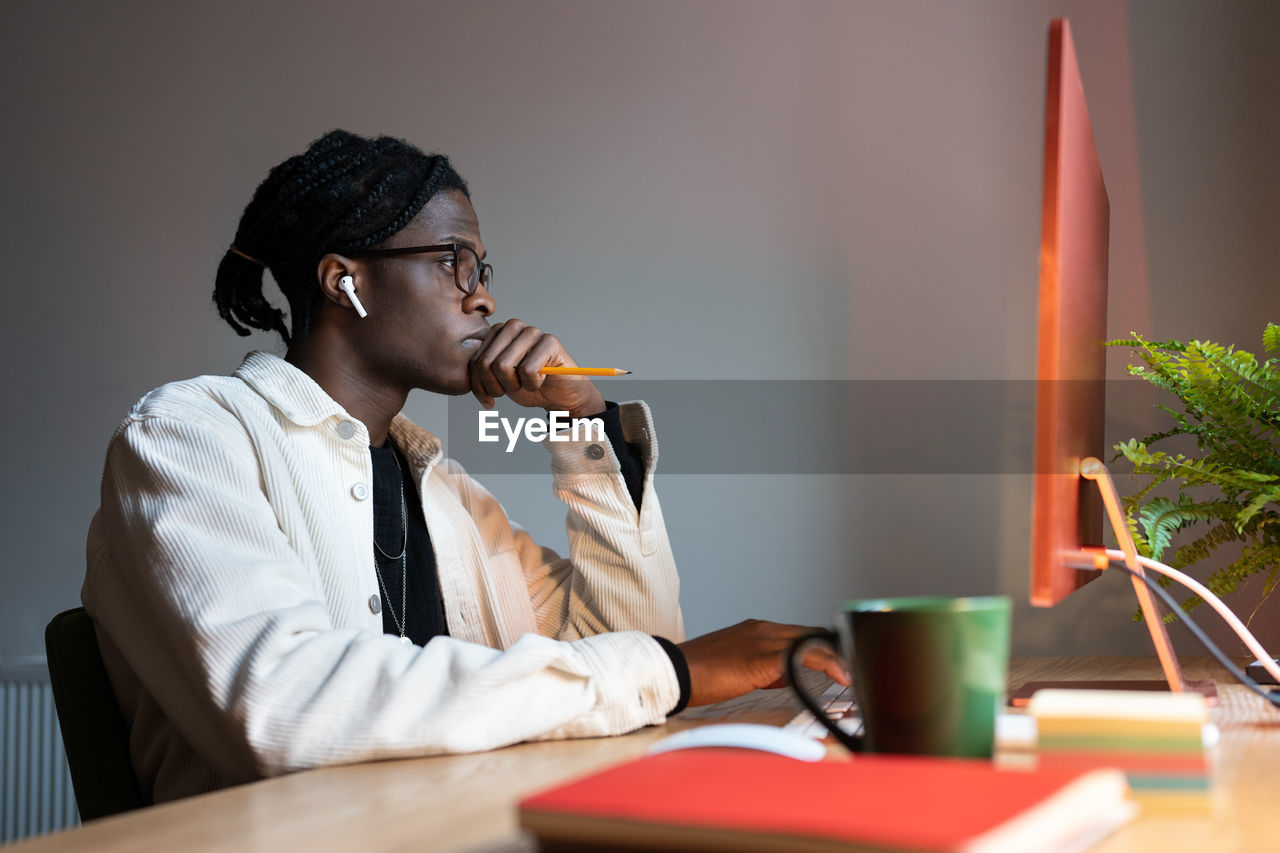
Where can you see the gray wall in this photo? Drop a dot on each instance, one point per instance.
(707, 190)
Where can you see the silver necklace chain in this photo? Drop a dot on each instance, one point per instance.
(400, 623)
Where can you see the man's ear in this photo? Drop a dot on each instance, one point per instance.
(329, 272)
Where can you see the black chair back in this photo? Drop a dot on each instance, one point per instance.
(94, 732)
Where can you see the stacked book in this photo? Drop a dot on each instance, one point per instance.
(1159, 740)
(714, 799)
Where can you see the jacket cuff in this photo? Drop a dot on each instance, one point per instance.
(592, 454)
(636, 678)
(681, 666)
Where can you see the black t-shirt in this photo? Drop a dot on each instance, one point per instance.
(420, 598)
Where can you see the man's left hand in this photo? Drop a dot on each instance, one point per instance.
(508, 362)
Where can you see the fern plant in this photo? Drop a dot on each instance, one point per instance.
(1230, 490)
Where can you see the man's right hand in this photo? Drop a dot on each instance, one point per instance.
(744, 657)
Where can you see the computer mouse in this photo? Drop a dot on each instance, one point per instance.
(745, 736)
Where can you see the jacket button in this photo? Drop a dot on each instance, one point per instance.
(595, 451)
(375, 604)
(359, 491)
(346, 429)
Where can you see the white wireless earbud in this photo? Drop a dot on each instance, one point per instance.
(348, 286)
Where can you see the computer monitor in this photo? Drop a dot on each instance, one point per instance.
(1071, 359)
(1072, 487)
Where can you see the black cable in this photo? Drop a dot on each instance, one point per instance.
(1272, 696)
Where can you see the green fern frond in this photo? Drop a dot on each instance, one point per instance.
(1200, 549)
(1139, 541)
(1256, 505)
(1136, 341)
(1228, 402)
(1270, 585)
(1265, 526)
(1253, 558)
(1132, 502)
(1161, 518)
(1146, 440)
(1271, 338)
(1195, 472)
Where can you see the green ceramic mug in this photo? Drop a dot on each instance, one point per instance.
(929, 672)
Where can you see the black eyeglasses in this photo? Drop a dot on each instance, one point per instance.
(468, 270)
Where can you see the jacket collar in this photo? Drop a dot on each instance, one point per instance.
(300, 399)
(421, 447)
(292, 392)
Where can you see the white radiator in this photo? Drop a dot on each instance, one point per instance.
(35, 784)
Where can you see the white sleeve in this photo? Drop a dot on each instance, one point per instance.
(226, 627)
(620, 574)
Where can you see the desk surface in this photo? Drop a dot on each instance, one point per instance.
(467, 802)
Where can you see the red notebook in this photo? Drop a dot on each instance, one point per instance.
(721, 799)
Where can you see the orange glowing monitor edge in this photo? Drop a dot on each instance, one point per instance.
(1072, 487)
(1071, 360)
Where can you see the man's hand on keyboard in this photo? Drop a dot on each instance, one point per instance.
(746, 657)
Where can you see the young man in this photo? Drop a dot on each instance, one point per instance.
(286, 573)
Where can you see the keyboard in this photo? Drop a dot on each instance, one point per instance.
(840, 706)
(1013, 731)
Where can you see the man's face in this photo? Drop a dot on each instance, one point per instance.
(426, 329)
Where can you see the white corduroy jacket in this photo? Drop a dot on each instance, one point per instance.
(230, 576)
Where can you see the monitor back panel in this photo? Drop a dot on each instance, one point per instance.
(1071, 367)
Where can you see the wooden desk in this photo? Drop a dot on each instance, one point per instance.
(467, 802)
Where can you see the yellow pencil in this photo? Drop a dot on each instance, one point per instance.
(582, 371)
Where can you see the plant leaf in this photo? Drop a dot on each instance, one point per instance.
(1271, 338)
